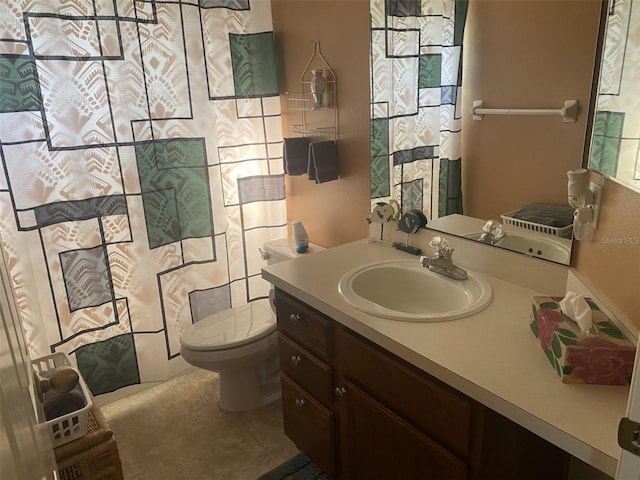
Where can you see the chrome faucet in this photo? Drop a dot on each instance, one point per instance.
(492, 233)
(442, 263)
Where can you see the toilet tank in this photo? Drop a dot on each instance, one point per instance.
(281, 249)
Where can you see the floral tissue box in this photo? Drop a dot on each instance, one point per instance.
(604, 359)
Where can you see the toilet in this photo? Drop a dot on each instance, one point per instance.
(241, 343)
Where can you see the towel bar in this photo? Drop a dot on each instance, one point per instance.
(568, 113)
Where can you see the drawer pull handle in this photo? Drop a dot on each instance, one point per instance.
(300, 403)
(340, 392)
(295, 318)
(295, 360)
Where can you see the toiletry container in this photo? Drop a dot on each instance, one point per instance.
(241, 343)
(300, 237)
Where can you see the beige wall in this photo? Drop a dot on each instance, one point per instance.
(611, 263)
(335, 212)
(548, 57)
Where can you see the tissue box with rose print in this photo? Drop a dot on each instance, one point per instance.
(604, 359)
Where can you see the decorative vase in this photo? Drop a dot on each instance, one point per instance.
(318, 88)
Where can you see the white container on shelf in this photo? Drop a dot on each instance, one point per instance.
(562, 232)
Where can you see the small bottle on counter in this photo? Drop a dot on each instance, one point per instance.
(300, 237)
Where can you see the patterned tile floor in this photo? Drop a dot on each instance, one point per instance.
(176, 431)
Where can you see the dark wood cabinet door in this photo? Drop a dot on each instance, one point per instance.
(309, 425)
(432, 407)
(375, 443)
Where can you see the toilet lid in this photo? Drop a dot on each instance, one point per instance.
(231, 328)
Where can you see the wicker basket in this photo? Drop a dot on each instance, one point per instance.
(92, 457)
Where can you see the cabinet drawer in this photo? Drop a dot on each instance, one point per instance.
(430, 406)
(309, 425)
(305, 326)
(306, 370)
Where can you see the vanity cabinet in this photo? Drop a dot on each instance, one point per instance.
(360, 412)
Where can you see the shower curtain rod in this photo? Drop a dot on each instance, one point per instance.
(568, 112)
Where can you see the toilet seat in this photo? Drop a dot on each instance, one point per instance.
(231, 328)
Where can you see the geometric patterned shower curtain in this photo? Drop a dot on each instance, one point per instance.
(141, 150)
(416, 75)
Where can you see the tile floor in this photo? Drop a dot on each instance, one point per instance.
(175, 430)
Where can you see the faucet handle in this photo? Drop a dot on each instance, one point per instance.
(493, 227)
(440, 245)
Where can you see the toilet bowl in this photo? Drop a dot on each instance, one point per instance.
(241, 344)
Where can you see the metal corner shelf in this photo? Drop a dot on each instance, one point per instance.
(314, 131)
(325, 125)
(302, 102)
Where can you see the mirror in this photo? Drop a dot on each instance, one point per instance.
(615, 143)
(507, 162)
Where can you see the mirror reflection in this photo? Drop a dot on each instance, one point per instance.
(529, 238)
(615, 146)
(430, 157)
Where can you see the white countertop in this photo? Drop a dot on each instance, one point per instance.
(491, 356)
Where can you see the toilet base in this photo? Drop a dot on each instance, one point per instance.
(240, 391)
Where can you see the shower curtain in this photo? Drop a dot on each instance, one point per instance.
(416, 71)
(141, 150)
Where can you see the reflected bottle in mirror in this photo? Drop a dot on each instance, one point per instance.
(318, 88)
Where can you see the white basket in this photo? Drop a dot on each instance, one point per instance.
(73, 425)
(562, 232)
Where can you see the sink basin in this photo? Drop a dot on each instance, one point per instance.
(534, 246)
(404, 290)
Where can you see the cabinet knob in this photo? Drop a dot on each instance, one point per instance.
(340, 392)
(295, 318)
(300, 403)
(295, 360)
